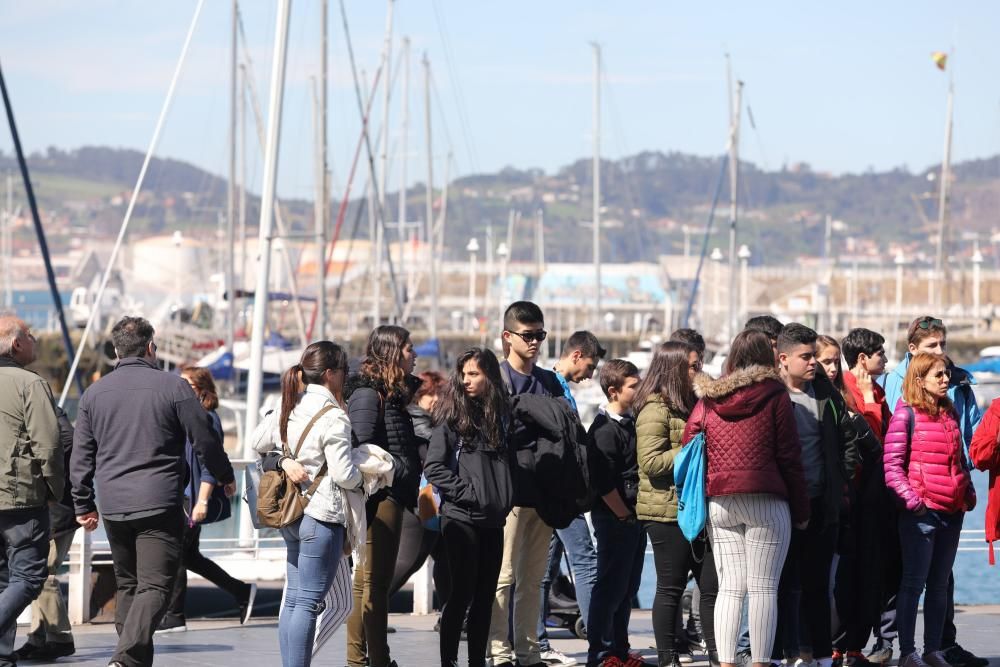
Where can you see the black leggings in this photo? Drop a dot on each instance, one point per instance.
(674, 557)
(475, 552)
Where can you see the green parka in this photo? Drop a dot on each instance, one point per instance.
(31, 456)
(659, 432)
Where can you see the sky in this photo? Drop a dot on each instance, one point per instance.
(845, 87)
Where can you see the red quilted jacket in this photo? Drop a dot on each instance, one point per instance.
(750, 437)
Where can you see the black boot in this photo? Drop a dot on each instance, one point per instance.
(668, 659)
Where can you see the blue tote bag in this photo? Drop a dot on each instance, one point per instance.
(689, 478)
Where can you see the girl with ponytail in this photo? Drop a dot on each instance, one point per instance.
(314, 425)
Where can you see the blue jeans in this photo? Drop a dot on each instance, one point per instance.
(24, 552)
(621, 550)
(930, 543)
(579, 546)
(314, 551)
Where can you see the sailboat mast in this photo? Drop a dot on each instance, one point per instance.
(256, 378)
(596, 217)
(231, 191)
(735, 102)
(940, 265)
(322, 179)
(404, 266)
(7, 239)
(380, 224)
(429, 196)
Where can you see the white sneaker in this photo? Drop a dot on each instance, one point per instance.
(557, 658)
(685, 658)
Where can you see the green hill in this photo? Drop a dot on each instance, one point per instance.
(647, 197)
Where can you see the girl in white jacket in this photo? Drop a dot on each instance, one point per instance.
(315, 542)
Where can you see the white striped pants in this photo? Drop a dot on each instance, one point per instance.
(750, 534)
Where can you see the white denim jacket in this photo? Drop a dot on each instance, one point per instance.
(329, 442)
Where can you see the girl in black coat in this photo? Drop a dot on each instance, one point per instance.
(469, 463)
(377, 398)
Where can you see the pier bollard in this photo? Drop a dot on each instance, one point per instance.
(80, 555)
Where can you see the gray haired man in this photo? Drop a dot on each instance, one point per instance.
(31, 474)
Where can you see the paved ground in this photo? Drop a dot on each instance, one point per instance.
(414, 644)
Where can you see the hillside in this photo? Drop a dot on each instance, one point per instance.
(648, 197)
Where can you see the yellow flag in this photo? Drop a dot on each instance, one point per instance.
(940, 59)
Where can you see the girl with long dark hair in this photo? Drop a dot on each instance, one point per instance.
(315, 423)
(377, 399)
(469, 463)
(665, 399)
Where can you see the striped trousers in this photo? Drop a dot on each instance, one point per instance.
(750, 534)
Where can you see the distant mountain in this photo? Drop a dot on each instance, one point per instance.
(648, 198)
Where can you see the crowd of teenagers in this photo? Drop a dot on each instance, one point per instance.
(820, 471)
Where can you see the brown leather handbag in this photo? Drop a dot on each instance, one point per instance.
(280, 502)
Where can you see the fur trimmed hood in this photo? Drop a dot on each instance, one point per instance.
(740, 393)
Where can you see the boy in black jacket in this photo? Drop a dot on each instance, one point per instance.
(621, 543)
(526, 535)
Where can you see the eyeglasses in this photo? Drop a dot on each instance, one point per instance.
(930, 322)
(529, 336)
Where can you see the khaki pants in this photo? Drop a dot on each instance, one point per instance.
(368, 623)
(525, 553)
(49, 618)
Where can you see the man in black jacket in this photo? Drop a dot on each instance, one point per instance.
(131, 430)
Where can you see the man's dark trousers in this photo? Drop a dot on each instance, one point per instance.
(146, 554)
(23, 569)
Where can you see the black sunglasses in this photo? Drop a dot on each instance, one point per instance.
(927, 323)
(529, 336)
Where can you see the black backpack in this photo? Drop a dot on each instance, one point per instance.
(557, 464)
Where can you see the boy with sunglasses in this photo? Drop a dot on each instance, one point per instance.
(526, 537)
(929, 334)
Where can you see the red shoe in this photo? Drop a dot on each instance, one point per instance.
(635, 660)
(612, 661)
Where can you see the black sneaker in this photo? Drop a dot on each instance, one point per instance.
(171, 624)
(27, 651)
(48, 652)
(859, 661)
(959, 657)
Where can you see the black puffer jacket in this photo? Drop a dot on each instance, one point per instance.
(474, 479)
(388, 424)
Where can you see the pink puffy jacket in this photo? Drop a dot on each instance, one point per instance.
(929, 471)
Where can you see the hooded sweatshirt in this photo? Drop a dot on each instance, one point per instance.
(751, 442)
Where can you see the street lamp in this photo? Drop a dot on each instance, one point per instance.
(178, 240)
(503, 252)
(744, 256)
(900, 261)
(716, 258)
(472, 248)
(977, 261)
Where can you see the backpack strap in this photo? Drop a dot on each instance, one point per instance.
(302, 438)
(910, 424)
